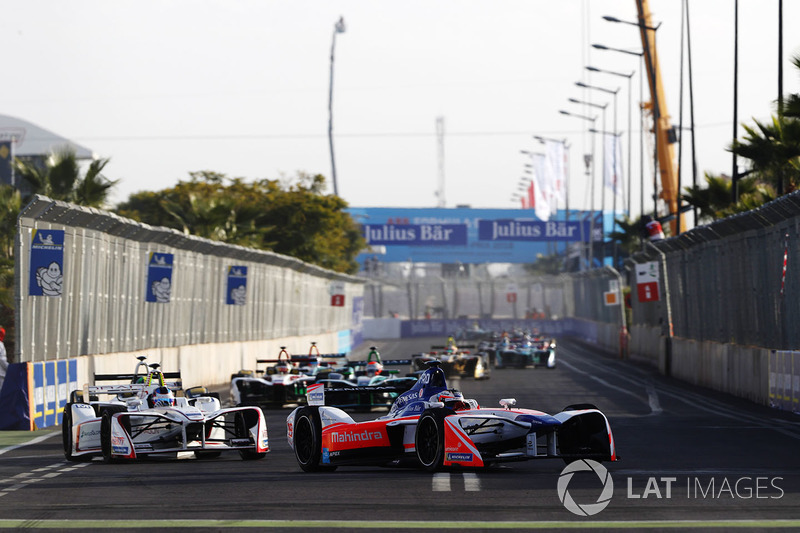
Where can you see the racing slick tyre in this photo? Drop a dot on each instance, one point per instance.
(105, 431)
(66, 437)
(308, 440)
(429, 439)
(241, 423)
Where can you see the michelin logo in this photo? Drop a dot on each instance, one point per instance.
(460, 457)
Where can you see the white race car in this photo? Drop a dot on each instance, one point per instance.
(144, 417)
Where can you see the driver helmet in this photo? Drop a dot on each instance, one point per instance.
(162, 397)
(373, 368)
(283, 367)
(453, 399)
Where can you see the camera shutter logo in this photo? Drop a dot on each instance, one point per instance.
(588, 509)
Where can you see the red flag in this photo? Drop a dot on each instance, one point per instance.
(531, 197)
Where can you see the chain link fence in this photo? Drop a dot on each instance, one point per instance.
(733, 281)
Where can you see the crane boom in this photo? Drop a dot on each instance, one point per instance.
(663, 131)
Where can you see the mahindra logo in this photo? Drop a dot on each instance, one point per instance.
(365, 435)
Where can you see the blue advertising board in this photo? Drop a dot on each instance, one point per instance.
(159, 278)
(237, 286)
(466, 235)
(47, 263)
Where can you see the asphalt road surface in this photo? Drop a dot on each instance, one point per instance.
(690, 458)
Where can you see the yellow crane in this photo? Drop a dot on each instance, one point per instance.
(665, 135)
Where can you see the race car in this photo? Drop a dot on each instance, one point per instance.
(528, 350)
(371, 384)
(455, 360)
(431, 426)
(278, 384)
(144, 418)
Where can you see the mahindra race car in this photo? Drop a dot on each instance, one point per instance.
(431, 426)
(278, 384)
(144, 418)
(455, 360)
(527, 350)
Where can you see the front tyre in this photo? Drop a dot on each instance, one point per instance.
(308, 440)
(429, 439)
(66, 437)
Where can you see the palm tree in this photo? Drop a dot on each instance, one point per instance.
(714, 201)
(629, 235)
(60, 179)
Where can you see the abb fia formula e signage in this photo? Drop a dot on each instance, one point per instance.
(337, 293)
(647, 281)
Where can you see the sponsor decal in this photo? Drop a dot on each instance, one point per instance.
(316, 394)
(460, 457)
(117, 441)
(364, 436)
(240, 442)
(143, 446)
(121, 450)
(89, 433)
(326, 456)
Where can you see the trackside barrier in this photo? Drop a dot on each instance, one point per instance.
(34, 394)
(784, 380)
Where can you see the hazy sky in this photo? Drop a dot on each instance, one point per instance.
(240, 87)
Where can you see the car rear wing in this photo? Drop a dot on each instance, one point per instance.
(315, 393)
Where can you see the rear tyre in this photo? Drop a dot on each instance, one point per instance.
(429, 439)
(308, 440)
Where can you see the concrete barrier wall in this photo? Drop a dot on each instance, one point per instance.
(739, 370)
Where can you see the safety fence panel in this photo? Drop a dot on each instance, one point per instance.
(90, 282)
(734, 281)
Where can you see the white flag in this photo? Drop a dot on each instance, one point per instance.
(612, 170)
(541, 198)
(557, 163)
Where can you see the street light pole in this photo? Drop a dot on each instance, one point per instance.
(337, 28)
(630, 107)
(590, 251)
(650, 58)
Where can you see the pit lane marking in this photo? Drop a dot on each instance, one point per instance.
(441, 482)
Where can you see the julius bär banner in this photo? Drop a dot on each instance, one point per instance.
(416, 234)
(532, 230)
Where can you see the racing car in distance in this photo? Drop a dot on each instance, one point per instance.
(278, 384)
(455, 360)
(144, 418)
(431, 426)
(526, 350)
(372, 385)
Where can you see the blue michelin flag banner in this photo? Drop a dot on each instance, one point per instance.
(6, 158)
(159, 278)
(416, 234)
(532, 230)
(237, 285)
(47, 263)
